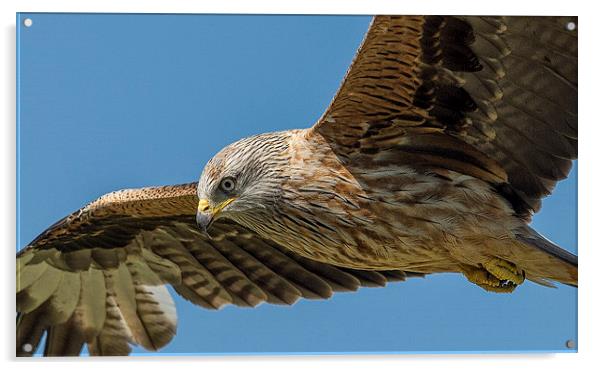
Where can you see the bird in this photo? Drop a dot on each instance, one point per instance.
(433, 156)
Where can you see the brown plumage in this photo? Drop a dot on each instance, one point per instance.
(432, 157)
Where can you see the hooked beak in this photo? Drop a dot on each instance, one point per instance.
(206, 214)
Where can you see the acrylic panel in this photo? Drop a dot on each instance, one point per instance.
(119, 101)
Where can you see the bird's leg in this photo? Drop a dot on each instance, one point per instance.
(495, 275)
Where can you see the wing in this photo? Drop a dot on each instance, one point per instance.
(491, 97)
(98, 277)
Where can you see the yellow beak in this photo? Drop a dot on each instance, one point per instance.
(203, 205)
(206, 214)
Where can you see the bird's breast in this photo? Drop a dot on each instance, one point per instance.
(372, 216)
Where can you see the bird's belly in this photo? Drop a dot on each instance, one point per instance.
(410, 221)
(390, 238)
(419, 247)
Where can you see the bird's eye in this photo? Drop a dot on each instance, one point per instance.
(228, 184)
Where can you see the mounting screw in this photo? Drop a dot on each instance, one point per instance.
(570, 343)
(27, 22)
(571, 26)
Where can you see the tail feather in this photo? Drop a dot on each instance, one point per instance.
(555, 263)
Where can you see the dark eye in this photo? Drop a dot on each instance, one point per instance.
(228, 184)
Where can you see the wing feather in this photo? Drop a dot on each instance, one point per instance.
(98, 277)
(505, 86)
(63, 301)
(277, 289)
(121, 287)
(310, 285)
(154, 306)
(64, 339)
(39, 291)
(30, 329)
(242, 291)
(90, 313)
(115, 336)
(339, 280)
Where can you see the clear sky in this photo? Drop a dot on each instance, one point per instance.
(122, 101)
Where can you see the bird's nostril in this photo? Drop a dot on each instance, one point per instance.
(203, 205)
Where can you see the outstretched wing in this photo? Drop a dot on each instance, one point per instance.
(98, 276)
(491, 97)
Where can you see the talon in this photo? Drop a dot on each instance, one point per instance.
(495, 276)
(504, 270)
(501, 289)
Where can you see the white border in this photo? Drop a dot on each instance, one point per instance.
(589, 242)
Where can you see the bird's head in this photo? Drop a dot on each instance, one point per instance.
(243, 181)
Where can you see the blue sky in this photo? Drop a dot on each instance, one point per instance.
(122, 101)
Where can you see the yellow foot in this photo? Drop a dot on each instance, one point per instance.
(505, 270)
(495, 275)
